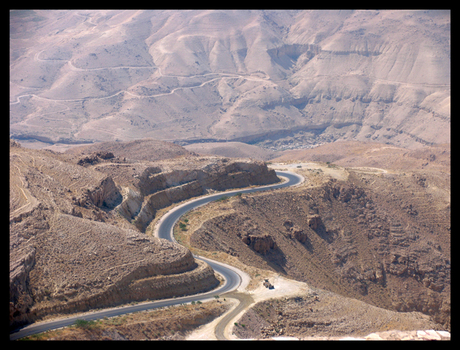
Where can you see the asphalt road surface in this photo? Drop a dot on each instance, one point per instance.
(165, 230)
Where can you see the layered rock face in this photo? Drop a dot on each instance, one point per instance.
(157, 188)
(80, 264)
(70, 250)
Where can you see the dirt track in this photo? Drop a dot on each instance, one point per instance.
(245, 301)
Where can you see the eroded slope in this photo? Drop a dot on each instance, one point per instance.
(71, 250)
(382, 238)
(270, 77)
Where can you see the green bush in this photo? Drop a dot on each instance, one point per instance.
(85, 324)
(222, 199)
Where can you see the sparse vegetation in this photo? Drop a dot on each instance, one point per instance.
(162, 324)
(225, 198)
(370, 227)
(86, 324)
(336, 227)
(222, 199)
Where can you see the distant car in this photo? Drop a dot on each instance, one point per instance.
(267, 284)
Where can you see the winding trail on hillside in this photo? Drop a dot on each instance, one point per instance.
(233, 277)
(245, 300)
(72, 67)
(210, 78)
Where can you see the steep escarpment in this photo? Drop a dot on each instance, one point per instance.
(159, 187)
(382, 239)
(91, 265)
(152, 175)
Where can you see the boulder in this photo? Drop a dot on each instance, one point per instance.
(314, 221)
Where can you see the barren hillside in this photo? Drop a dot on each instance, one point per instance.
(153, 107)
(231, 149)
(281, 79)
(75, 222)
(146, 149)
(322, 315)
(381, 237)
(372, 154)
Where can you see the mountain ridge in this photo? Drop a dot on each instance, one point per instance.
(231, 75)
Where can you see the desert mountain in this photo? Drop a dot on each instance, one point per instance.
(369, 89)
(275, 78)
(75, 222)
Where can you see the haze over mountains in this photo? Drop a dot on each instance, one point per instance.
(150, 107)
(279, 79)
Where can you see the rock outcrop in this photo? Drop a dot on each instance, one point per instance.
(294, 231)
(314, 221)
(157, 188)
(104, 194)
(95, 158)
(259, 242)
(351, 237)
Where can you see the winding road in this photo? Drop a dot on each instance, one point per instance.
(164, 229)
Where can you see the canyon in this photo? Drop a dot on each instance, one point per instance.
(359, 235)
(118, 116)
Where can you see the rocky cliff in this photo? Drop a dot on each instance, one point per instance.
(159, 188)
(71, 250)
